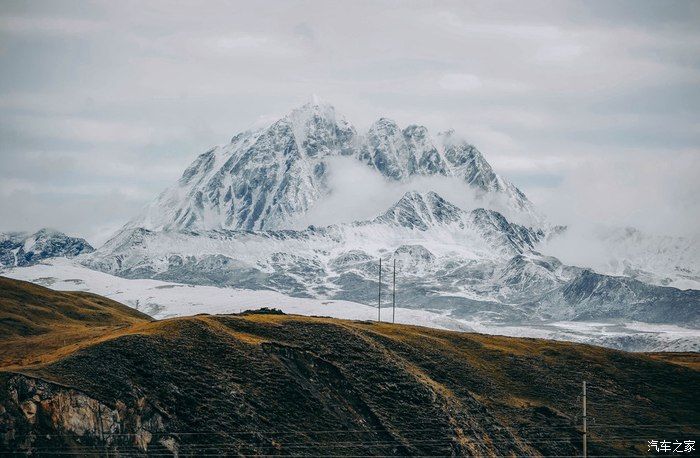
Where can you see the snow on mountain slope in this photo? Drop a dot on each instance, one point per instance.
(474, 265)
(338, 261)
(166, 299)
(163, 299)
(655, 259)
(23, 248)
(591, 295)
(265, 179)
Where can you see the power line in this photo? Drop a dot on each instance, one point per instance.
(379, 309)
(585, 451)
(379, 430)
(393, 296)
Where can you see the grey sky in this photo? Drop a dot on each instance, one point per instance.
(592, 108)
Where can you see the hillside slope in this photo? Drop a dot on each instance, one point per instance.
(265, 383)
(35, 320)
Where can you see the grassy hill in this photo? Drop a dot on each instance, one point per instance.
(267, 384)
(35, 321)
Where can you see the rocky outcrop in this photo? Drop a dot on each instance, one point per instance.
(38, 416)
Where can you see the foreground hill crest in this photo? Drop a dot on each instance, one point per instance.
(290, 385)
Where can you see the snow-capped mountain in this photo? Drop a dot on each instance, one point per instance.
(264, 178)
(437, 244)
(656, 259)
(231, 221)
(23, 248)
(590, 296)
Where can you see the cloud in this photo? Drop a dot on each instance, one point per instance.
(49, 25)
(90, 212)
(559, 53)
(460, 82)
(127, 93)
(359, 193)
(656, 193)
(305, 32)
(88, 130)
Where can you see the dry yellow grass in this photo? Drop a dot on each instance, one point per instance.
(687, 359)
(38, 325)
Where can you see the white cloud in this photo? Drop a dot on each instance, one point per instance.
(49, 25)
(361, 193)
(559, 53)
(460, 82)
(655, 192)
(550, 92)
(90, 130)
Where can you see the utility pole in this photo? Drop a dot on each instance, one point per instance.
(379, 309)
(585, 451)
(393, 296)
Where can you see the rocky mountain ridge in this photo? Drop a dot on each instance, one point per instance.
(263, 179)
(24, 248)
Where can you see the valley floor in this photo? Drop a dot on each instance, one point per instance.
(164, 300)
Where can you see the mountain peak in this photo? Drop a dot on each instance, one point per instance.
(318, 100)
(384, 125)
(304, 113)
(263, 179)
(417, 210)
(24, 248)
(416, 196)
(315, 105)
(415, 131)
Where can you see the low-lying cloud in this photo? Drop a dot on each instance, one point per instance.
(358, 192)
(657, 193)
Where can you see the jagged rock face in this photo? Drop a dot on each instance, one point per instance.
(503, 234)
(413, 258)
(399, 154)
(264, 179)
(468, 162)
(22, 249)
(425, 211)
(422, 211)
(259, 180)
(590, 296)
(36, 415)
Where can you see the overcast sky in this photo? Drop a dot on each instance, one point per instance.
(592, 108)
